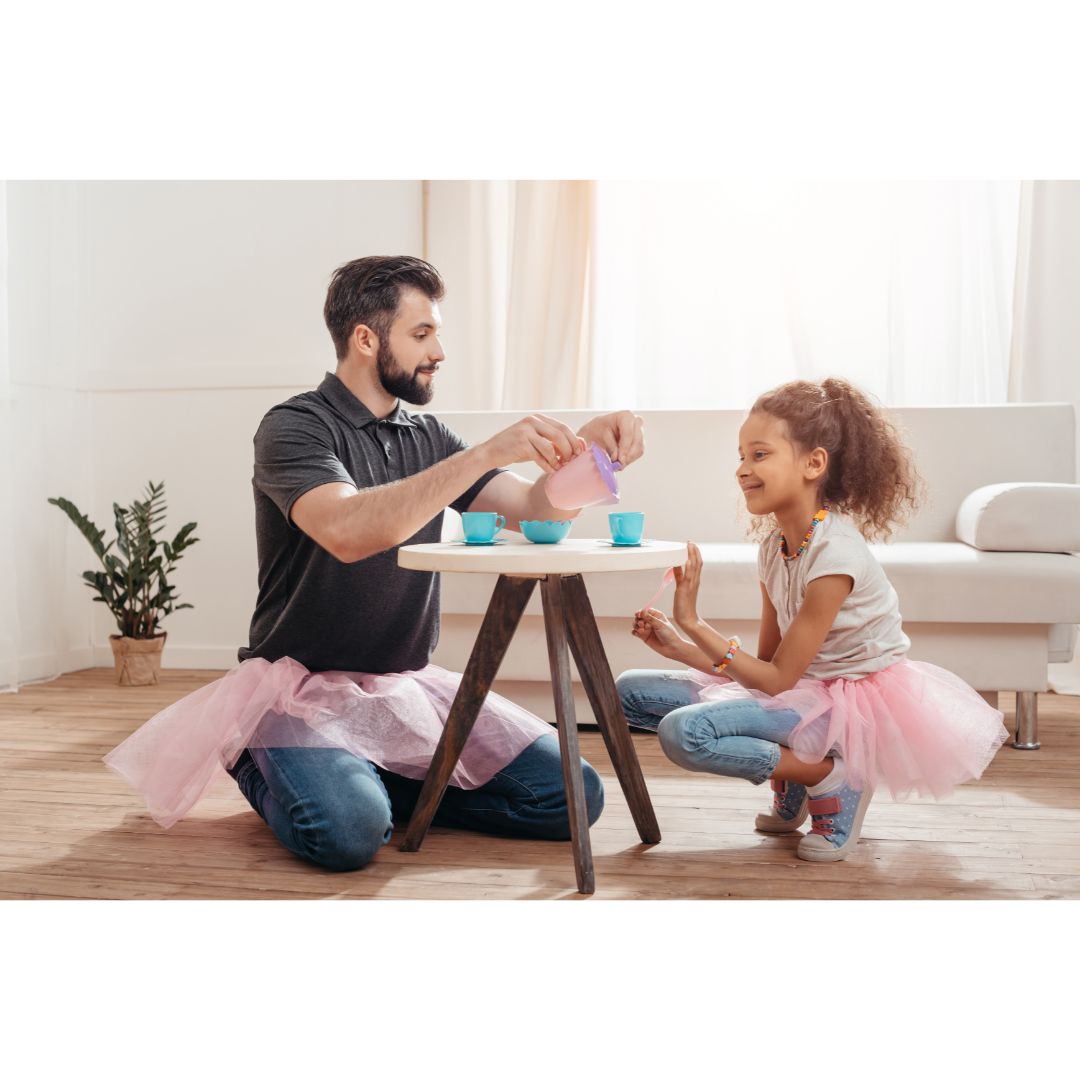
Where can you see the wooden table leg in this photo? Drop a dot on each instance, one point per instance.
(504, 612)
(596, 677)
(559, 659)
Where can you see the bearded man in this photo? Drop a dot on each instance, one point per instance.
(330, 722)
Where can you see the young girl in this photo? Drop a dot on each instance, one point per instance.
(831, 700)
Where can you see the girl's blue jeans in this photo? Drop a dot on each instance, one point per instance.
(336, 809)
(729, 738)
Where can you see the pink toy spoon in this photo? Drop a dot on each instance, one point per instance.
(669, 577)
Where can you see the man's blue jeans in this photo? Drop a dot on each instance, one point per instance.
(336, 809)
(729, 738)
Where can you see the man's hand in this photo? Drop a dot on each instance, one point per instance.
(536, 438)
(620, 434)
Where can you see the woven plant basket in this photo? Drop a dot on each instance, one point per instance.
(138, 660)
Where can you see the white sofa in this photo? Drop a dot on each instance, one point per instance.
(995, 618)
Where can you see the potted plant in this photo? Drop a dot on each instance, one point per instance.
(135, 582)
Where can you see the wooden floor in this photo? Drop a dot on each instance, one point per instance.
(69, 828)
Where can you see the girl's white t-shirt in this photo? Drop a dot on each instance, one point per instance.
(867, 635)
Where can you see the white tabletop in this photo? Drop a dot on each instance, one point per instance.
(520, 558)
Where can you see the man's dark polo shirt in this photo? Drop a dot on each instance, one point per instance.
(370, 615)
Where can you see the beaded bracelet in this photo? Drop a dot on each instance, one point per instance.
(733, 647)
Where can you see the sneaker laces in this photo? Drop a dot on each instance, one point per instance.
(822, 825)
(779, 791)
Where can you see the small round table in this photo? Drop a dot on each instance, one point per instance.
(568, 621)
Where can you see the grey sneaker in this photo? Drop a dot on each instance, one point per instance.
(789, 808)
(838, 819)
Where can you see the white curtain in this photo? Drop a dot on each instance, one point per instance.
(547, 342)
(1046, 337)
(708, 293)
(515, 256)
(468, 237)
(1046, 340)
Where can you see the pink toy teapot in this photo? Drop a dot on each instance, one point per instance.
(586, 480)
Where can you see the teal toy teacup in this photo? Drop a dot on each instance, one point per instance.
(480, 528)
(626, 527)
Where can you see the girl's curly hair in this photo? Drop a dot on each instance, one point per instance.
(871, 477)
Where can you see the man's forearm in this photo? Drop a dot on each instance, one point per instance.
(375, 519)
(540, 509)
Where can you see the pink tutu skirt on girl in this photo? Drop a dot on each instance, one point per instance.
(920, 728)
(393, 720)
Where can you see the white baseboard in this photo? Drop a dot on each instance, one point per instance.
(199, 657)
(48, 665)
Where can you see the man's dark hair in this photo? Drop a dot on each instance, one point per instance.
(368, 291)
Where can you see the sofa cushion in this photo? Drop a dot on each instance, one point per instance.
(1021, 517)
(957, 583)
(934, 582)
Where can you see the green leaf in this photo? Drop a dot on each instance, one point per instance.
(115, 565)
(92, 533)
(181, 541)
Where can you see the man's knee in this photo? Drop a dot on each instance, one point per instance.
(339, 811)
(556, 821)
(350, 839)
(549, 805)
(594, 792)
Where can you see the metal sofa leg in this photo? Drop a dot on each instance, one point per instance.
(1027, 721)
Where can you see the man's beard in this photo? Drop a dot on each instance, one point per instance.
(395, 380)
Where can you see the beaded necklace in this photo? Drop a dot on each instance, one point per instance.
(819, 516)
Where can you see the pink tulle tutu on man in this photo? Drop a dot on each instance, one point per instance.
(394, 720)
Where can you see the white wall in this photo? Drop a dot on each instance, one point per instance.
(152, 324)
(50, 441)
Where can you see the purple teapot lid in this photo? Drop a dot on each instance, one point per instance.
(608, 469)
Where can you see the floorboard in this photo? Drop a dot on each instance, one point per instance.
(71, 829)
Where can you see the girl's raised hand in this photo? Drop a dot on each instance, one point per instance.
(687, 582)
(652, 627)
